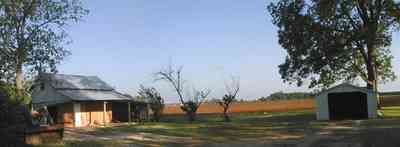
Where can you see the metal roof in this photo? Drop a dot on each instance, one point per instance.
(93, 95)
(62, 81)
(346, 85)
(77, 88)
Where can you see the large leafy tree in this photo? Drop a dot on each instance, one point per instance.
(33, 35)
(336, 40)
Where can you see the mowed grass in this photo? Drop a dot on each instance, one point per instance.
(213, 128)
(391, 112)
(253, 128)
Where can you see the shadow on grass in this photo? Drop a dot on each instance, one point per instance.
(381, 137)
(212, 128)
(258, 127)
(91, 143)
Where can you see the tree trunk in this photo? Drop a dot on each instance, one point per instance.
(371, 76)
(19, 78)
(370, 26)
(157, 116)
(371, 65)
(372, 82)
(376, 88)
(226, 116)
(371, 57)
(191, 116)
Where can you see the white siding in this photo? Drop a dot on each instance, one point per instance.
(323, 106)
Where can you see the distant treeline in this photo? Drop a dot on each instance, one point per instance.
(287, 96)
(273, 97)
(391, 93)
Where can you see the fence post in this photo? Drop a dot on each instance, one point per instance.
(129, 113)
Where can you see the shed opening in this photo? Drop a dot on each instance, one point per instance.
(347, 105)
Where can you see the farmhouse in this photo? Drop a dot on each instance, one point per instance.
(77, 101)
(346, 101)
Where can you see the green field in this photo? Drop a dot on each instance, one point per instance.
(391, 112)
(255, 129)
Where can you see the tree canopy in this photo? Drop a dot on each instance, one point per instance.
(336, 40)
(33, 35)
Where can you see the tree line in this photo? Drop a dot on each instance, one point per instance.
(287, 96)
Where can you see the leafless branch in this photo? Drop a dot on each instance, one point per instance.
(233, 86)
(202, 95)
(174, 78)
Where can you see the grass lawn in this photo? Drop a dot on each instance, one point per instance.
(253, 129)
(391, 112)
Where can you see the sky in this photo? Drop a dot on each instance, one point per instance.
(124, 42)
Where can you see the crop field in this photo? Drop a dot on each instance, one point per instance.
(390, 100)
(247, 107)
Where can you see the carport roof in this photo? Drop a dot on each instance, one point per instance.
(77, 88)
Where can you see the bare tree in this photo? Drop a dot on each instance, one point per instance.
(190, 106)
(232, 90)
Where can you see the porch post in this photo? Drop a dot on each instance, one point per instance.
(104, 112)
(129, 112)
(77, 114)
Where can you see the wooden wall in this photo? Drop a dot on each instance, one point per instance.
(92, 113)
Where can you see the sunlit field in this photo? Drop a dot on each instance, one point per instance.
(247, 107)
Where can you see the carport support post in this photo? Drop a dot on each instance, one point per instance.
(104, 112)
(129, 112)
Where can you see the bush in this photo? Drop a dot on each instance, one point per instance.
(156, 102)
(9, 91)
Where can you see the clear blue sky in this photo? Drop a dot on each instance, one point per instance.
(125, 41)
